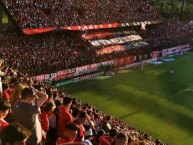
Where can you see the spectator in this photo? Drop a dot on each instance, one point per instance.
(5, 94)
(121, 139)
(44, 118)
(4, 110)
(82, 117)
(1, 72)
(12, 83)
(65, 116)
(14, 134)
(108, 139)
(52, 133)
(99, 133)
(69, 135)
(16, 94)
(106, 125)
(29, 106)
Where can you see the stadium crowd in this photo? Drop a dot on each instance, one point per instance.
(42, 53)
(48, 53)
(58, 13)
(54, 117)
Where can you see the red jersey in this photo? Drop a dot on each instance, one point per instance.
(105, 140)
(3, 124)
(62, 140)
(81, 132)
(5, 95)
(44, 121)
(64, 118)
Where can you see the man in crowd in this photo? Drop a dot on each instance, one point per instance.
(69, 135)
(65, 116)
(121, 139)
(25, 111)
(4, 110)
(108, 139)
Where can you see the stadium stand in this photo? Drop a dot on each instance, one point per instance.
(45, 14)
(133, 26)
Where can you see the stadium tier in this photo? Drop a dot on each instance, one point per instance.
(46, 14)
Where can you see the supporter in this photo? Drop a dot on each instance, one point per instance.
(28, 106)
(12, 83)
(89, 125)
(16, 94)
(4, 110)
(99, 133)
(108, 139)
(75, 112)
(69, 135)
(1, 72)
(44, 116)
(121, 139)
(65, 116)
(82, 117)
(106, 126)
(52, 133)
(5, 94)
(14, 134)
(46, 112)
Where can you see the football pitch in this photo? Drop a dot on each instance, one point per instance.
(152, 100)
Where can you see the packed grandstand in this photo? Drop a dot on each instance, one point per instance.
(70, 40)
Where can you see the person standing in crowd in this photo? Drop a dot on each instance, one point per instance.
(51, 136)
(25, 111)
(16, 94)
(44, 117)
(4, 110)
(14, 134)
(106, 125)
(108, 139)
(69, 134)
(82, 117)
(1, 72)
(5, 94)
(121, 139)
(65, 116)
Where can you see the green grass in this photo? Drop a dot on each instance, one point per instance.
(152, 100)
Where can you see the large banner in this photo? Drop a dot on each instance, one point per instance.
(39, 30)
(110, 49)
(89, 27)
(117, 40)
(178, 50)
(112, 25)
(107, 34)
(139, 44)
